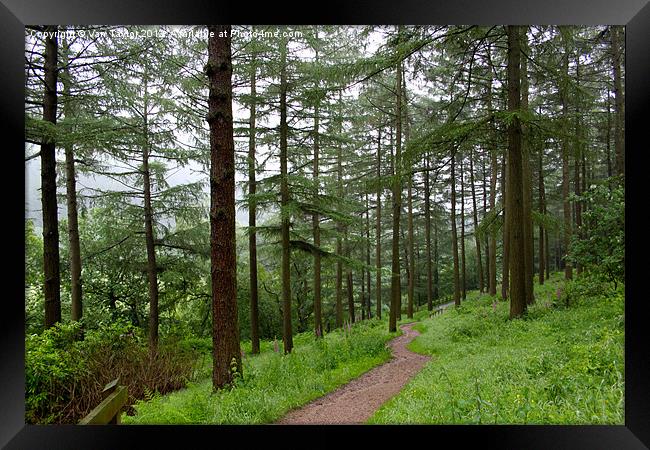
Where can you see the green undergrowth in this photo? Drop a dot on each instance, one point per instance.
(556, 365)
(272, 383)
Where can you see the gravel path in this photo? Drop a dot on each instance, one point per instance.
(356, 401)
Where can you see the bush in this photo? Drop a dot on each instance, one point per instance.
(65, 375)
(600, 243)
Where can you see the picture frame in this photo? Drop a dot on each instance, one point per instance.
(634, 14)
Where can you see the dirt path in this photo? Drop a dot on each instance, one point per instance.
(356, 401)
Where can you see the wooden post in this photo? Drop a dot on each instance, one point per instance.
(108, 411)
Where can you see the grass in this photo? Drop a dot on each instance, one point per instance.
(273, 383)
(557, 365)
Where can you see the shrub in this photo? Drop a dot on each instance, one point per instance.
(600, 243)
(65, 375)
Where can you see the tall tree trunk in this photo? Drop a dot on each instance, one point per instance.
(378, 226)
(395, 287)
(71, 191)
(547, 252)
(368, 305)
(568, 270)
(411, 251)
(515, 186)
(339, 284)
(486, 263)
(362, 295)
(339, 245)
(542, 210)
(619, 103)
(407, 265)
(558, 253)
(411, 243)
(577, 183)
(287, 335)
(583, 177)
(427, 231)
(479, 262)
(150, 238)
(435, 258)
(351, 316)
(529, 252)
(505, 184)
(608, 135)
(463, 272)
(252, 209)
(492, 265)
(348, 252)
(226, 352)
(418, 276)
(454, 234)
(51, 269)
(318, 325)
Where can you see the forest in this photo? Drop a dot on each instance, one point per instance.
(325, 224)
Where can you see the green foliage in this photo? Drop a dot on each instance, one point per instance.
(34, 314)
(491, 223)
(555, 366)
(600, 243)
(66, 368)
(273, 383)
(49, 364)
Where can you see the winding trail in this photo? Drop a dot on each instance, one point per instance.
(356, 401)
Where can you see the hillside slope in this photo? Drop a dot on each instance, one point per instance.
(558, 365)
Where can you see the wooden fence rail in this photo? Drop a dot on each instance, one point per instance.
(109, 410)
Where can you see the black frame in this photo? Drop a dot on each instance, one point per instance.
(14, 14)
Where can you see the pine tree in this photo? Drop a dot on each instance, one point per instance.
(515, 186)
(226, 352)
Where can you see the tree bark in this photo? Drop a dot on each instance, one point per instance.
(619, 103)
(608, 137)
(568, 271)
(505, 185)
(411, 251)
(368, 305)
(479, 262)
(71, 195)
(411, 242)
(149, 233)
(51, 268)
(378, 227)
(547, 252)
(252, 210)
(318, 325)
(287, 336)
(226, 352)
(397, 206)
(427, 232)
(542, 210)
(435, 258)
(577, 183)
(486, 264)
(529, 254)
(339, 246)
(492, 265)
(348, 274)
(515, 187)
(463, 273)
(454, 234)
